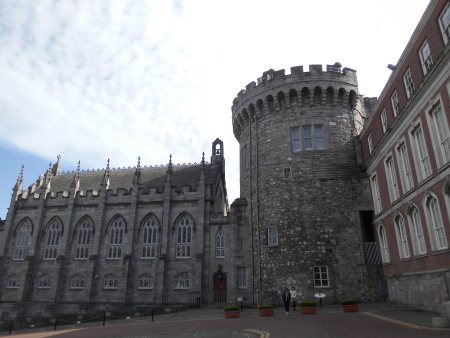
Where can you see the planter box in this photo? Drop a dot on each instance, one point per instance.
(308, 310)
(231, 314)
(266, 312)
(350, 308)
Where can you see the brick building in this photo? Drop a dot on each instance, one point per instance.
(406, 147)
(309, 202)
(98, 239)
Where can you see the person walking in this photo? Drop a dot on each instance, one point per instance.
(286, 299)
(293, 298)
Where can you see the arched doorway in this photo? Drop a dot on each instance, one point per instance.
(220, 286)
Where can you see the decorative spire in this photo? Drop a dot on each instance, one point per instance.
(137, 173)
(18, 186)
(56, 169)
(203, 158)
(169, 169)
(105, 182)
(76, 179)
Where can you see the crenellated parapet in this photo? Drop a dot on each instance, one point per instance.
(276, 91)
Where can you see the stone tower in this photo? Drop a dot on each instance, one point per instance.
(309, 203)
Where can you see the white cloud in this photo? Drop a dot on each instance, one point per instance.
(118, 79)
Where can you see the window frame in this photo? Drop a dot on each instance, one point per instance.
(149, 238)
(421, 157)
(319, 145)
(384, 244)
(321, 271)
(375, 193)
(145, 281)
(426, 60)
(370, 143)
(402, 237)
(183, 247)
(272, 236)
(391, 177)
(409, 83)
(296, 145)
(22, 240)
(416, 230)
(52, 234)
(384, 121)
(445, 31)
(110, 282)
(307, 139)
(220, 243)
(395, 104)
(404, 166)
(241, 274)
(116, 234)
(439, 132)
(435, 222)
(83, 239)
(181, 281)
(77, 282)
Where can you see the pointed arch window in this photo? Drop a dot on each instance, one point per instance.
(13, 282)
(383, 245)
(22, 240)
(220, 244)
(416, 229)
(83, 239)
(145, 282)
(149, 238)
(402, 239)
(181, 281)
(184, 237)
(435, 224)
(52, 239)
(44, 282)
(110, 282)
(115, 238)
(77, 281)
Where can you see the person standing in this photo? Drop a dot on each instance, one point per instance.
(286, 299)
(293, 298)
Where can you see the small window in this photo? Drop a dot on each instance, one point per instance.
(110, 282)
(295, 139)
(307, 138)
(321, 277)
(409, 84)
(384, 122)
(395, 104)
(425, 57)
(241, 278)
(272, 236)
(369, 143)
(44, 282)
(181, 281)
(444, 23)
(287, 172)
(145, 282)
(76, 282)
(220, 244)
(318, 134)
(13, 282)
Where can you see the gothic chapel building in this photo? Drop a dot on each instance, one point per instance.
(140, 235)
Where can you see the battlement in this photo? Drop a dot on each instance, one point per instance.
(274, 78)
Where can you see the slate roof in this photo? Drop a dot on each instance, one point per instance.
(151, 177)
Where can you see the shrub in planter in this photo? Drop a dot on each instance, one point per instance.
(349, 305)
(231, 311)
(308, 307)
(265, 310)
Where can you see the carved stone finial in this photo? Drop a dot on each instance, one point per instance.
(203, 158)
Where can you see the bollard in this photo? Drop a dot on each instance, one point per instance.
(104, 318)
(56, 322)
(153, 313)
(10, 326)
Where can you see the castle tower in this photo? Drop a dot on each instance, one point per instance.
(308, 198)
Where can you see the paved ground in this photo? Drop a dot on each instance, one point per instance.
(373, 321)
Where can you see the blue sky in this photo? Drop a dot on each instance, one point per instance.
(93, 80)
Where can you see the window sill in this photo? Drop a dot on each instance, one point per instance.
(423, 255)
(438, 252)
(148, 258)
(110, 289)
(183, 257)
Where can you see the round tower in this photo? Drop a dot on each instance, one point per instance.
(300, 175)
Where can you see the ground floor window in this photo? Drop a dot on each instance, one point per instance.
(321, 277)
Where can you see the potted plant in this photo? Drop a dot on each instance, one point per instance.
(349, 305)
(231, 311)
(308, 307)
(265, 310)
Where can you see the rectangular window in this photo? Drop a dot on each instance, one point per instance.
(384, 124)
(318, 133)
(404, 167)
(375, 193)
(369, 143)
(440, 134)
(272, 236)
(425, 57)
(307, 140)
(242, 278)
(321, 277)
(395, 104)
(421, 154)
(409, 84)
(444, 23)
(391, 179)
(295, 139)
